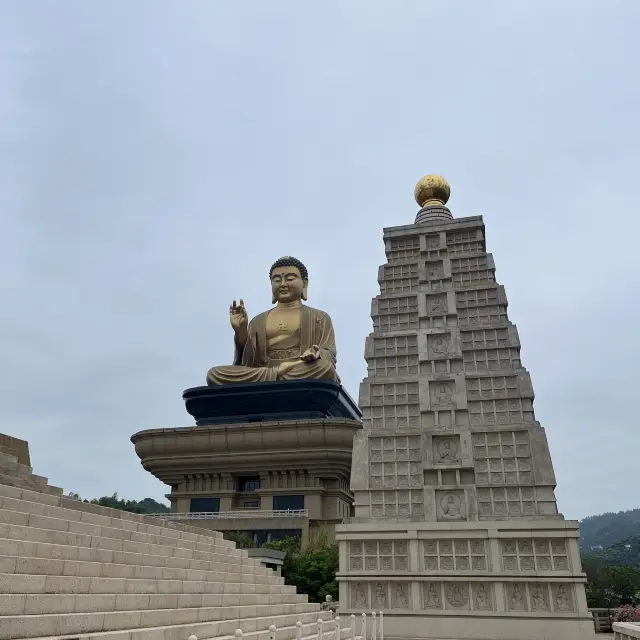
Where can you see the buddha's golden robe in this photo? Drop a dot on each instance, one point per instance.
(258, 361)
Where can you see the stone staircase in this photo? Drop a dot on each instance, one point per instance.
(78, 571)
(16, 474)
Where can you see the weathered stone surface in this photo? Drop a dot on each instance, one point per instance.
(455, 510)
(69, 568)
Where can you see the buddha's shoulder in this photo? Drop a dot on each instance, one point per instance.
(317, 313)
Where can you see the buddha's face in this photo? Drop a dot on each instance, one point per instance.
(287, 284)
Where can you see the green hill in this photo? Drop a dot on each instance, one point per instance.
(607, 529)
(625, 552)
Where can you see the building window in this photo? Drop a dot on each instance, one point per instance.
(288, 503)
(259, 537)
(208, 505)
(249, 483)
(251, 504)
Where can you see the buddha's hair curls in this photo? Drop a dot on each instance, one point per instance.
(290, 261)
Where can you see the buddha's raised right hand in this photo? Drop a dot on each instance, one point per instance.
(239, 320)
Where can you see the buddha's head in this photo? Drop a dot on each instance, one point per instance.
(289, 280)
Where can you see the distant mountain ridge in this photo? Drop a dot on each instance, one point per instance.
(625, 552)
(608, 529)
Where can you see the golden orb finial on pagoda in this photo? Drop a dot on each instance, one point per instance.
(432, 190)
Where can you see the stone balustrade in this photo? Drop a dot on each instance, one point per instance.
(626, 630)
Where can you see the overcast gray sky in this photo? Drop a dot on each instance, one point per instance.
(156, 157)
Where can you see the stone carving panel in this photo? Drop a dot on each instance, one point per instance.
(439, 345)
(395, 462)
(482, 597)
(501, 504)
(492, 387)
(507, 411)
(442, 394)
(432, 241)
(379, 555)
(401, 278)
(502, 458)
(403, 249)
(477, 298)
(458, 555)
(434, 270)
(381, 595)
(491, 360)
(359, 595)
(400, 595)
(472, 271)
(432, 595)
(395, 314)
(437, 305)
(395, 406)
(486, 339)
(457, 595)
(539, 554)
(465, 242)
(482, 316)
(563, 597)
(397, 504)
(516, 596)
(450, 506)
(446, 450)
(539, 597)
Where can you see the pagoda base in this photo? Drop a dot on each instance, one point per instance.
(503, 580)
(270, 401)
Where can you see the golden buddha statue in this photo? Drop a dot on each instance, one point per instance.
(289, 342)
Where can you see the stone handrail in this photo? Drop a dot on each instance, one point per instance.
(231, 515)
(626, 630)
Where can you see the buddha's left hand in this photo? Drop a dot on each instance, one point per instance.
(311, 354)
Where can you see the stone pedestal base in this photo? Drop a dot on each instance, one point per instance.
(502, 580)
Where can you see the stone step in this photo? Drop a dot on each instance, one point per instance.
(33, 626)
(30, 482)
(31, 549)
(19, 583)
(87, 545)
(29, 604)
(9, 461)
(19, 512)
(123, 519)
(285, 630)
(55, 567)
(42, 504)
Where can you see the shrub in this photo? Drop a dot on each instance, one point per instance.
(627, 613)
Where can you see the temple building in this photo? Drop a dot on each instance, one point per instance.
(266, 480)
(455, 515)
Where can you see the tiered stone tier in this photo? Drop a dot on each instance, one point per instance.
(17, 474)
(74, 570)
(455, 510)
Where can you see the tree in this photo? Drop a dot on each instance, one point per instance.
(147, 505)
(623, 581)
(312, 568)
(242, 540)
(609, 585)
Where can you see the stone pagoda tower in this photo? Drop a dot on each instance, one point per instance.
(456, 531)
